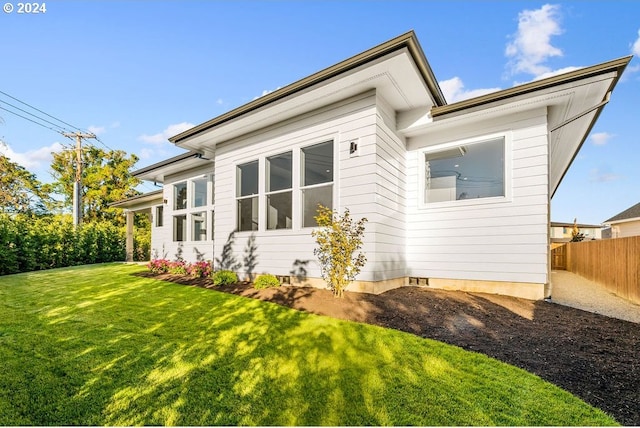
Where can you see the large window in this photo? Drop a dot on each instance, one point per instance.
(247, 196)
(200, 192)
(317, 180)
(279, 191)
(465, 172)
(180, 196)
(199, 226)
(180, 228)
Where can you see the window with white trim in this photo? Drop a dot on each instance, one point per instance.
(317, 180)
(279, 191)
(180, 228)
(199, 226)
(199, 186)
(180, 196)
(247, 196)
(470, 171)
(159, 215)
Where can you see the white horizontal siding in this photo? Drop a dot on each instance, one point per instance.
(498, 240)
(278, 250)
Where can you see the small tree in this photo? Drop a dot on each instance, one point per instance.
(338, 238)
(576, 235)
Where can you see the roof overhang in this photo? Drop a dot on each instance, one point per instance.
(158, 171)
(140, 202)
(573, 102)
(397, 69)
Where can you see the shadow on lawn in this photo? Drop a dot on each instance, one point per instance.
(141, 352)
(592, 356)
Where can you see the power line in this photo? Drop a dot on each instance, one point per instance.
(30, 120)
(40, 111)
(39, 118)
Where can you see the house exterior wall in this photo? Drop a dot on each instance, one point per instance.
(625, 229)
(163, 244)
(354, 185)
(504, 240)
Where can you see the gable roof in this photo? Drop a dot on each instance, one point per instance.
(628, 214)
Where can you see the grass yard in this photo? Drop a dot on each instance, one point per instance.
(95, 345)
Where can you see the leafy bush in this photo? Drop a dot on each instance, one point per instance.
(338, 238)
(224, 277)
(35, 242)
(201, 269)
(266, 281)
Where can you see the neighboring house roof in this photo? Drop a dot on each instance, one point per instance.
(629, 214)
(139, 201)
(581, 226)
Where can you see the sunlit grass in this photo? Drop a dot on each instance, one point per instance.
(98, 346)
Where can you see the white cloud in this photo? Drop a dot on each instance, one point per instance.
(170, 131)
(601, 138)
(32, 159)
(453, 90)
(265, 92)
(531, 44)
(603, 175)
(98, 130)
(635, 49)
(219, 101)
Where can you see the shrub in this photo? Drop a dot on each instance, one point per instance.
(266, 281)
(201, 269)
(338, 238)
(159, 265)
(224, 277)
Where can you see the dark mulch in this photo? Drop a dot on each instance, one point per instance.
(594, 357)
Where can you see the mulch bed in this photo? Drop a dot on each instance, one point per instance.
(592, 356)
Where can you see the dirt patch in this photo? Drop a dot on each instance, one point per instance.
(594, 357)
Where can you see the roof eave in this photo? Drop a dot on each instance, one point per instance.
(407, 40)
(617, 65)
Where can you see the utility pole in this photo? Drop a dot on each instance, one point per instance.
(77, 184)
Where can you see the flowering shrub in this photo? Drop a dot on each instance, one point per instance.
(159, 265)
(266, 281)
(200, 269)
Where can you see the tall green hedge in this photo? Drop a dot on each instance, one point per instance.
(30, 243)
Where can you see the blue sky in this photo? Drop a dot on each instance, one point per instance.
(137, 72)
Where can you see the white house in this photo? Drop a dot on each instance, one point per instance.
(626, 223)
(456, 195)
(561, 232)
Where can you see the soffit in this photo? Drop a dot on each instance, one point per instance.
(158, 172)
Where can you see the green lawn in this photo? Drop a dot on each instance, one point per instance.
(97, 346)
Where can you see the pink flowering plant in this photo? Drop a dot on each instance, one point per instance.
(200, 269)
(159, 265)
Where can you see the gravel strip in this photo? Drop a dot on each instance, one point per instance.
(570, 289)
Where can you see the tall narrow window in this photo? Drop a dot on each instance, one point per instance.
(465, 172)
(200, 192)
(199, 226)
(180, 196)
(159, 216)
(180, 228)
(247, 196)
(279, 191)
(317, 180)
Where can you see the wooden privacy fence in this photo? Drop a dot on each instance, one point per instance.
(614, 263)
